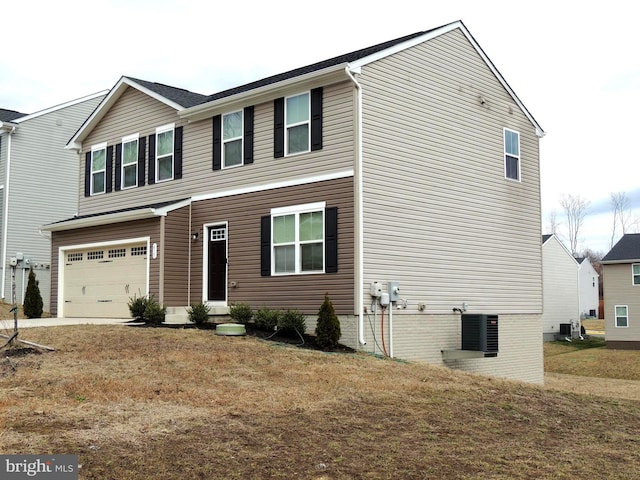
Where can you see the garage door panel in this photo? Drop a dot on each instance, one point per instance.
(100, 282)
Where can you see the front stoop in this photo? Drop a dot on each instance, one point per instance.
(179, 315)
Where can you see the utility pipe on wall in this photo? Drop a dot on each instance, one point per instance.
(5, 220)
(358, 212)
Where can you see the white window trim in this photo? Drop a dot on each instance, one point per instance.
(633, 275)
(129, 138)
(504, 155)
(170, 127)
(297, 210)
(287, 126)
(225, 140)
(615, 316)
(97, 148)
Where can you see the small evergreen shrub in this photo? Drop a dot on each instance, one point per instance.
(32, 305)
(328, 325)
(155, 313)
(241, 313)
(266, 319)
(137, 306)
(199, 313)
(292, 323)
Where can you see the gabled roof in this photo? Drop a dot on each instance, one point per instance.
(352, 62)
(9, 115)
(176, 98)
(627, 250)
(545, 238)
(194, 106)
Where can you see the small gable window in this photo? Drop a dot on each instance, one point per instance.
(98, 168)
(232, 126)
(511, 154)
(129, 166)
(164, 153)
(636, 273)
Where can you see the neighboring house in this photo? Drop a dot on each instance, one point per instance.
(587, 288)
(621, 275)
(405, 172)
(561, 312)
(39, 184)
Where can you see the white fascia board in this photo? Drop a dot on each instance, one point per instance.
(109, 218)
(358, 64)
(326, 76)
(112, 97)
(618, 262)
(70, 103)
(270, 186)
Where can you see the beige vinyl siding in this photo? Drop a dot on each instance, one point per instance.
(243, 214)
(560, 278)
(439, 216)
(107, 233)
(198, 177)
(619, 290)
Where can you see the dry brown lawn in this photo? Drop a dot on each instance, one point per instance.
(160, 403)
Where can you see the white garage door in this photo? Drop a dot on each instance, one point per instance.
(98, 282)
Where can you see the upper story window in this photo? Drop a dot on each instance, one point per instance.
(622, 316)
(635, 269)
(129, 163)
(297, 116)
(511, 154)
(232, 126)
(298, 123)
(164, 152)
(98, 168)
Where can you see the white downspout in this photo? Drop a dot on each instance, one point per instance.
(359, 213)
(5, 219)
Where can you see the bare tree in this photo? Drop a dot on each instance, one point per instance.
(554, 225)
(575, 209)
(622, 216)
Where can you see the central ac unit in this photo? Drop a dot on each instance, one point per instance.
(480, 333)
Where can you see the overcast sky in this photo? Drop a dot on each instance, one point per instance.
(576, 66)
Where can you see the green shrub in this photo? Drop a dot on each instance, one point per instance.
(154, 313)
(137, 306)
(328, 325)
(199, 313)
(241, 313)
(292, 323)
(266, 319)
(32, 305)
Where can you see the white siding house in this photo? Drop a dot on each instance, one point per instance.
(38, 185)
(588, 288)
(560, 287)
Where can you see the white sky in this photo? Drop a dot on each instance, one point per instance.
(575, 65)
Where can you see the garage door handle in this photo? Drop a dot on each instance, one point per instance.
(104, 301)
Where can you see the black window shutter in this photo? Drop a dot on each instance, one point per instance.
(142, 147)
(331, 240)
(177, 153)
(109, 172)
(316, 119)
(248, 135)
(278, 127)
(118, 167)
(87, 174)
(217, 143)
(152, 159)
(265, 246)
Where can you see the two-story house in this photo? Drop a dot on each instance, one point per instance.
(621, 293)
(588, 288)
(38, 184)
(401, 179)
